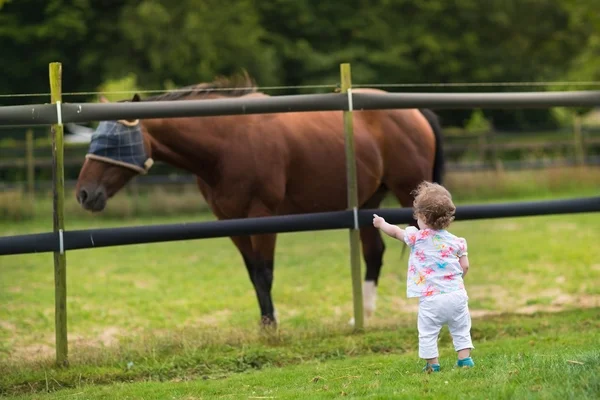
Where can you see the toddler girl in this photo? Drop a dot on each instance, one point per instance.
(437, 266)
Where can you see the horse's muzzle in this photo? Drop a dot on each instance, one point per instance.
(92, 199)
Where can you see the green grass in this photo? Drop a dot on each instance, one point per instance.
(549, 183)
(181, 311)
(551, 356)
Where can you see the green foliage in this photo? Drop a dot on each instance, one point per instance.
(120, 89)
(193, 40)
(564, 116)
(477, 123)
(284, 42)
(52, 30)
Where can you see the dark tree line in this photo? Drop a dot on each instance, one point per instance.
(165, 44)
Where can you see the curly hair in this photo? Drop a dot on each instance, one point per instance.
(433, 203)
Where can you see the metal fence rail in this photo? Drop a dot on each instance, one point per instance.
(47, 114)
(92, 238)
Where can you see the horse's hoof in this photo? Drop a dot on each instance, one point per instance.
(268, 323)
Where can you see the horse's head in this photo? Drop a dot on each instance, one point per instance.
(118, 151)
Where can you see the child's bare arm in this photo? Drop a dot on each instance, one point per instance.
(464, 264)
(389, 229)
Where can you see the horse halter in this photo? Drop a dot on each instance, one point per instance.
(120, 143)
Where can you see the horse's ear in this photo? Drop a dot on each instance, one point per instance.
(136, 97)
(103, 99)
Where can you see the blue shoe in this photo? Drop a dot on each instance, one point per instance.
(465, 363)
(431, 368)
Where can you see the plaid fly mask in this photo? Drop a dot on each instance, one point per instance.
(120, 143)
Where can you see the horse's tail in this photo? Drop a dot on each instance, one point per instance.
(438, 161)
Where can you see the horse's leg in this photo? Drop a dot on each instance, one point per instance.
(244, 245)
(263, 266)
(373, 249)
(260, 273)
(260, 269)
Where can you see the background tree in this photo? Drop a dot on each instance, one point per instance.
(180, 43)
(163, 44)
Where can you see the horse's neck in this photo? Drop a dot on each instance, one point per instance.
(196, 149)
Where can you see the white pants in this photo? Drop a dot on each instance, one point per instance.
(435, 311)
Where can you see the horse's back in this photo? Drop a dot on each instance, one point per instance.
(393, 147)
(312, 144)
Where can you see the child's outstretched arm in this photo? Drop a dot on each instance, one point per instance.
(390, 230)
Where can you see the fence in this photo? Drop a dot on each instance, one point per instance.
(28, 163)
(47, 114)
(59, 241)
(106, 237)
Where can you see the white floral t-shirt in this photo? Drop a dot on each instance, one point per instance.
(433, 266)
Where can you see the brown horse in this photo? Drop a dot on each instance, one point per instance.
(271, 164)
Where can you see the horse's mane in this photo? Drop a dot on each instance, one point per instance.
(233, 86)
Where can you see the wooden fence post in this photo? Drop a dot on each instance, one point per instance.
(352, 190)
(58, 189)
(578, 141)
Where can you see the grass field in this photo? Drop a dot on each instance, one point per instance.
(180, 319)
(547, 357)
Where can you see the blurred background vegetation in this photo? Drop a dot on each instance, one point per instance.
(160, 44)
(117, 45)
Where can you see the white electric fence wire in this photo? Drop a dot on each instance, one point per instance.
(327, 86)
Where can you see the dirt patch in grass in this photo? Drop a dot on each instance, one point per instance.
(561, 302)
(144, 284)
(212, 319)
(7, 326)
(33, 352)
(44, 349)
(109, 336)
